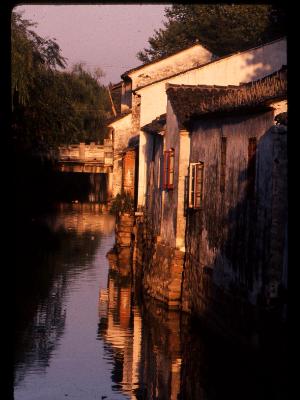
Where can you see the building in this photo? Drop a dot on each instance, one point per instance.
(126, 123)
(215, 241)
(188, 167)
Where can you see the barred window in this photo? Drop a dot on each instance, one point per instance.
(169, 169)
(196, 184)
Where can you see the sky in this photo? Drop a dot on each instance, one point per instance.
(106, 35)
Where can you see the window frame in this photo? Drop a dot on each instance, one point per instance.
(168, 176)
(195, 185)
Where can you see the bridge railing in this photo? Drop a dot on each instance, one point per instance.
(83, 153)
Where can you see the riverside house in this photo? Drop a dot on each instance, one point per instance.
(205, 171)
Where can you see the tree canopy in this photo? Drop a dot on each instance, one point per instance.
(51, 105)
(222, 28)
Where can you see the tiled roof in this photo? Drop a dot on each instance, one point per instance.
(198, 100)
(116, 93)
(157, 125)
(214, 60)
(162, 58)
(120, 116)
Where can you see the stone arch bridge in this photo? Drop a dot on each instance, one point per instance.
(90, 158)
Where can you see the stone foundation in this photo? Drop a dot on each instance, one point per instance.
(121, 254)
(158, 267)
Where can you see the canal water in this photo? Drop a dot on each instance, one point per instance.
(81, 333)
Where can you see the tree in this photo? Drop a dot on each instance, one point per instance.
(222, 28)
(50, 105)
(29, 54)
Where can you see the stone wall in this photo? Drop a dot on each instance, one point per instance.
(123, 245)
(158, 267)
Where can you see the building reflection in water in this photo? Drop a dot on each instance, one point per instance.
(120, 328)
(161, 354)
(143, 340)
(52, 251)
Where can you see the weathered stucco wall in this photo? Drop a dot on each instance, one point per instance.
(154, 184)
(161, 231)
(188, 58)
(229, 241)
(122, 133)
(170, 196)
(145, 153)
(239, 68)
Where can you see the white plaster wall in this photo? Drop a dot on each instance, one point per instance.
(233, 70)
(122, 133)
(279, 107)
(189, 58)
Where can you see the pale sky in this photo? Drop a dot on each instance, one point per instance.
(105, 35)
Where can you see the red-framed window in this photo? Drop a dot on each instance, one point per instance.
(169, 169)
(196, 184)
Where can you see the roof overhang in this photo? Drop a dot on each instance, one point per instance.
(202, 100)
(118, 118)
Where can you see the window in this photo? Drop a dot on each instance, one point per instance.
(252, 144)
(223, 164)
(169, 169)
(196, 184)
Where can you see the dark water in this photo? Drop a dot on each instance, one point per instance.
(81, 333)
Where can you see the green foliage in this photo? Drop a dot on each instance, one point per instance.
(222, 28)
(29, 54)
(52, 106)
(122, 203)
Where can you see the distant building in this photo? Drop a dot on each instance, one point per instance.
(126, 123)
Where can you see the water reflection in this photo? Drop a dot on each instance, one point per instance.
(120, 328)
(162, 354)
(82, 332)
(57, 255)
(142, 339)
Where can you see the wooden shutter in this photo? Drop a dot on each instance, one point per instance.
(171, 170)
(168, 169)
(165, 172)
(195, 185)
(198, 185)
(191, 185)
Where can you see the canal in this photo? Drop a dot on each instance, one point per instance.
(81, 332)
